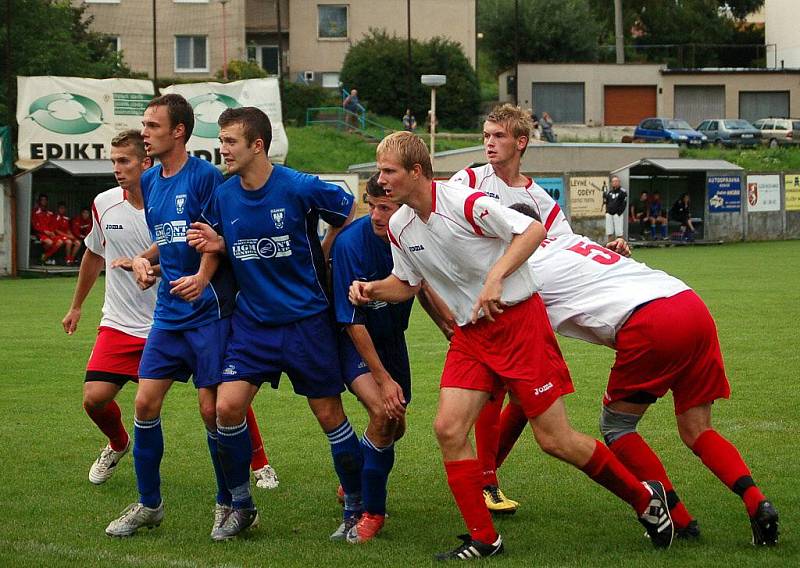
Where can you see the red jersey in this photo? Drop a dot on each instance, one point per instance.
(62, 224)
(43, 220)
(81, 227)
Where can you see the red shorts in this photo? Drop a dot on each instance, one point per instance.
(518, 350)
(115, 353)
(670, 343)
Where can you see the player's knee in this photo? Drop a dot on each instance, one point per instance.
(551, 444)
(399, 429)
(146, 407)
(330, 416)
(448, 431)
(225, 411)
(614, 424)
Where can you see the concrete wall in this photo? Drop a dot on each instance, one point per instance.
(780, 27)
(6, 225)
(309, 53)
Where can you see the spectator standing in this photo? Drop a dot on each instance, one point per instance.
(682, 212)
(547, 127)
(409, 121)
(352, 105)
(614, 202)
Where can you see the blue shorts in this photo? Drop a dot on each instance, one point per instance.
(392, 352)
(179, 354)
(305, 350)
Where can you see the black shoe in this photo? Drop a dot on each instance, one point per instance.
(472, 549)
(689, 532)
(234, 523)
(765, 525)
(656, 519)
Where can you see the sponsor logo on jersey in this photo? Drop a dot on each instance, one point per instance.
(376, 304)
(277, 217)
(111, 226)
(542, 389)
(267, 247)
(492, 195)
(416, 248)
(171, 232)
(180, 203)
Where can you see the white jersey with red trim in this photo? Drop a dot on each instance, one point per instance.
(119, 229)
(466, 233)
(590, 291)
(485, 179)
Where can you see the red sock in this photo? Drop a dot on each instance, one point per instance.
(52, 249)
(487, 434)
(259, 458)
(604, 468)
(464, 479)
(642, 461)
(512, 424)
(725, 461)
(109, 419)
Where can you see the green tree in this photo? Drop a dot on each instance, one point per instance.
(378, 67)
(238, 70)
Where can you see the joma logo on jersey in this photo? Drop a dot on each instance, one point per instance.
(180, 203)
(113, 226)
(416, 248)
(277, 217)
(172, 232)
(492, 195)
(542, 389)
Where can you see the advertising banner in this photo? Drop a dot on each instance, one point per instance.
(554, 186)
(586, 196)
(792, 184)
(73, 118)
(724, 194)
(209, 100)
(763, 193)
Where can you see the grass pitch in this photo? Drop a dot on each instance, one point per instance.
(52, 516)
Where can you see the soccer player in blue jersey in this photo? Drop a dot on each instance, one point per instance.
(264, 219)
(191, 319)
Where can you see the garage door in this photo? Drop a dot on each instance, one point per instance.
(628, 105)
(694, 104)
(763, 104)
(564, 101)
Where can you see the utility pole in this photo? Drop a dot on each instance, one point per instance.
(155, 48)
(516, 52)
(224, 42)
(408, 54)
(280, 40)
(10, 80)
(618, 33)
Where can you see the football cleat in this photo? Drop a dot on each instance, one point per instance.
(765, 525)
(689, 532)
(498, 503)
(472, 549)
(348, 523)
(266, 478)
(234, 523)
(134, 517)
(220, 513)
(104, 466)
(367, 527)
(656, 518)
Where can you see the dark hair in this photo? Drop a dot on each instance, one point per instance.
(373, 188)
(179, 111)
(132, 138)
(526, 209)
(255, 123)
(61, 204)
(42, 195)
(85, 208)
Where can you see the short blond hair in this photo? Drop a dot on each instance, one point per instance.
(409, 148)
(514, 119)
(132, 138)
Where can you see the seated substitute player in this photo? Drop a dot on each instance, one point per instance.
(473, 252)
(268, 217)
(81, 226)
(43, 225)
(665, 339)
(63, 228)
(120, 230)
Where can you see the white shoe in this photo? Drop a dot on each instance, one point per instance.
(105, 466)
(134, 517)
(266, 478)
(221, 513)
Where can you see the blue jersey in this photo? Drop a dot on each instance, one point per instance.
(171, 205)
(359, 254)
(271, 239)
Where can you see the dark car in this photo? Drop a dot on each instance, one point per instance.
(672, 130)
(730, 132)
(779, 131)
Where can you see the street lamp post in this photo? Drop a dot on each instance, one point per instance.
(224, 42)
(433, 81)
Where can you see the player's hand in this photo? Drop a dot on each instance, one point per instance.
(70, 321)
(619, 246)
(188, 288)
(123, 262)
(488, 301)
(145, 275)
(359, 294)
(393, 399)
(204, 239)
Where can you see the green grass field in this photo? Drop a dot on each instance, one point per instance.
(53, 517)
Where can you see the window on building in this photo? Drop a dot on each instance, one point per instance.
(332, 21)
(330, 80)
(266, 56)
(113, 42)
(191, 53)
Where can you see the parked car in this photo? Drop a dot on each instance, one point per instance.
(779, 131)
(730, 132)
(672, 130)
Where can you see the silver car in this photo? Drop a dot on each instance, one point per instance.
(730, 132)
(779, 131)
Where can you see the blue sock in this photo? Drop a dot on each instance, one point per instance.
(652, 231)
(234, 450)
(148, 449)
(347, 461)
(223, 495)
(378, 463)
(664, 231)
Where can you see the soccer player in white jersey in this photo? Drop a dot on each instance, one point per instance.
(119, 230)
(473, 252)
(665, 339)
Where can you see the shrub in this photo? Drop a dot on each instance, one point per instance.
(238, 70)
(297, 97)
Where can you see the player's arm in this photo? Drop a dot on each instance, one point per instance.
(437, 310)
(330, 235)
(390, 289)
(190, 288)
(91, 265)
(142, 266)
(392, 393)
(205, 239)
